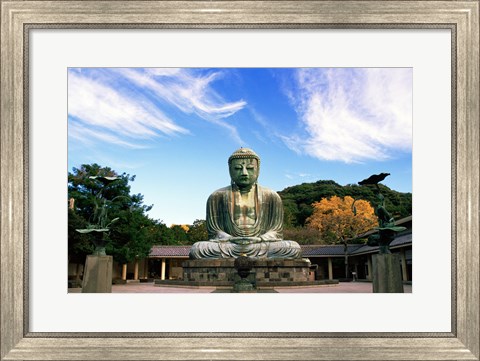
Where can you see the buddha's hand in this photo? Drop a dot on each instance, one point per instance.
(221, 237)
(245, 240)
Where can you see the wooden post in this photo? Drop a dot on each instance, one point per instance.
(124, 272)
(145, 268)
(135, 270)
(162, 274)
(330, 268)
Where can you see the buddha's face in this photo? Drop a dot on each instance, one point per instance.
(244, 172)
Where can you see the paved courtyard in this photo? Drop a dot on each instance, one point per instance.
(342, 287)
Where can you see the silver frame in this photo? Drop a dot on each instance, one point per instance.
(17, 17)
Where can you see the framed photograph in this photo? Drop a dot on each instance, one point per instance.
(42, 40)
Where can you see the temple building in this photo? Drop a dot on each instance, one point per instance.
(353, 262)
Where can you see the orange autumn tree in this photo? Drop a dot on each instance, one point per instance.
(339, 219)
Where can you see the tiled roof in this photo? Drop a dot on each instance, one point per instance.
(402, 239)
(327, 250)
(170, 251)
(307, 250)
(399, 222)
(399, 241)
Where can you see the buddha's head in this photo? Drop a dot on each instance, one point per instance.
(244, 167)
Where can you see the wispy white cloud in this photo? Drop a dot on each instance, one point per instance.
(89, 136)
(352, 115)
(189, 92)
(97, 104)
(300, 177)
(124, 106)
(182, 88)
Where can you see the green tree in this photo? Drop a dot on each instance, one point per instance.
(132, 236)
(197, 232)
(163, 234)
(298, 200)
(79, 245)
(303, 235)
(179, 234)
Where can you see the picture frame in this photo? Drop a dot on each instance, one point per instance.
(18, 343)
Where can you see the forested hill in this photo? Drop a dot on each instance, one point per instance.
(297, 200)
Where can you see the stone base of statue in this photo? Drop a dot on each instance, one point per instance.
(97, 277)
(244, 286)
(264, 271)
(387, 275)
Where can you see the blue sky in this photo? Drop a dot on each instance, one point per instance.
(175, 128)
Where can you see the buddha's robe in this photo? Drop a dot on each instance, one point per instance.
(229, 238)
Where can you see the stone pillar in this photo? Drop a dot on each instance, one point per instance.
(135, 270)
(97, 277)
(162, 274)
(369, 267)
(387, 277)
(330, 268)
(404, 265)
(124, 271)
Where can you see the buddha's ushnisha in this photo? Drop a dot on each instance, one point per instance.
(244, 218)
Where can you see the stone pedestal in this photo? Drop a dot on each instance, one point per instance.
(387, 276)
(97, 277)
(217, 271)
(244, 286)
